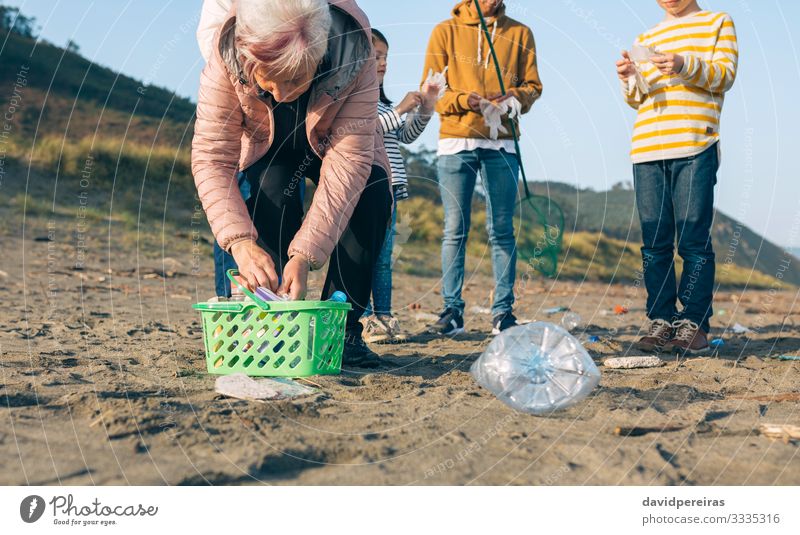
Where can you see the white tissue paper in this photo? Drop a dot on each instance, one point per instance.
(640, 54)
(436, 78)
(493, 114)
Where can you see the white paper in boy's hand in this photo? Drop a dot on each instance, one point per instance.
(493, 114)
(437, 79)
(641, 54)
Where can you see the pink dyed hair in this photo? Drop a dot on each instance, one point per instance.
(283, 36)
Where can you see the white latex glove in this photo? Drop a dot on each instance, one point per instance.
(437, 79)
(493, 114)
(638, 81)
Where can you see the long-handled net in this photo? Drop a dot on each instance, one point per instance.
(542, 252)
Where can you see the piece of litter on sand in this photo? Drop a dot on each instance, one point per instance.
(480, 310)
(620, 310)
(784, 357)
(536, 368)
(641, 431)
(555, 310)
(738, 328)
(716, 342)
(772, 398)
(240, 386)
(425, 316)
(783, 432)
(625, 363)
(309, 381)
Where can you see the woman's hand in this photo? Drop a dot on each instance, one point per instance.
(409, 102)
(668, 63)
(625, 67)
(295, 278)
(255, 265)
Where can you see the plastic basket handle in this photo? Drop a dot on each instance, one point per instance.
(260, 302)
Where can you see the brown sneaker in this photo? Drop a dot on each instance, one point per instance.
(398, 335)
(376, 331)
(657, 338)
(689, 338)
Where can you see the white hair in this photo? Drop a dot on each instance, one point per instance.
(285, 36)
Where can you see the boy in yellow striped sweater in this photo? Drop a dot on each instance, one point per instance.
(676, 76)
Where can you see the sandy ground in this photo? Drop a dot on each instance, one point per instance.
(103, 381)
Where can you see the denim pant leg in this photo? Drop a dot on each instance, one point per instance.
(499, 175)
(382, 276)
(693, 198)
(457, 176)
(653, 187)
(352, 262)
(223, 261)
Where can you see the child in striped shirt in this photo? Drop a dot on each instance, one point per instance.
(379, 324)
(676, 77)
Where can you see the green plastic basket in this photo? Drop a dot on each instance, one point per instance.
(273, 338)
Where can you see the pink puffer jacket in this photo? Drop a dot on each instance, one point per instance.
(234, 130)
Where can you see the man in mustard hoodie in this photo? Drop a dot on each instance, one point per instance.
(467, 146)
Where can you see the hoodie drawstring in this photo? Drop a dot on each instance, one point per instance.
(480, 45)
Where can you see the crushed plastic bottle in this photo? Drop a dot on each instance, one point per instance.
(536, 368)
(571, 321)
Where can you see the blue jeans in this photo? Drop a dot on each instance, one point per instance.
(381, 302)
(457, 177)
(224, 261)
(676, 197)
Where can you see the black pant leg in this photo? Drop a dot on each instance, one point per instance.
(276, 205)
(353, 260)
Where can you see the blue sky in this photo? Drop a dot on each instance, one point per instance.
(578, 132)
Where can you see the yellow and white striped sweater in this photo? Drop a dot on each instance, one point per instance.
(679, 116)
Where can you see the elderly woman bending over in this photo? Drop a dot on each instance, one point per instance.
(290, 91)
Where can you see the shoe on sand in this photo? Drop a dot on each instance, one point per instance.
(450, 323)
(357, 354)
(659, 335)
(376, 331)
(398, 336)
(689, 339)
(503, 321)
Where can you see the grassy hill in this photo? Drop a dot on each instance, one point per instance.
(69, 112)
(79, 129)
(63, 94)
